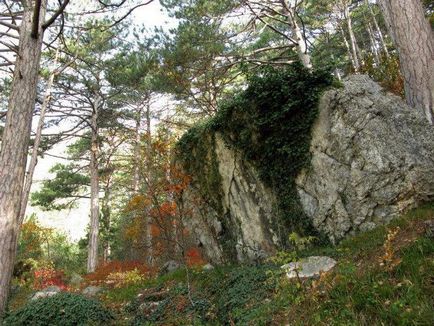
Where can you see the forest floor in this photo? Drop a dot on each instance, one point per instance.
(383, 277)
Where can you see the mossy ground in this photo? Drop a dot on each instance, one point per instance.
(383, 277)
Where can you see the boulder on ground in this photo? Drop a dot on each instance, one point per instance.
(309, 267)
(92, 291)
(207, 267)
(169, 267)
(45, 293)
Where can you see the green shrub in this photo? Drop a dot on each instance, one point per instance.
(62, 309)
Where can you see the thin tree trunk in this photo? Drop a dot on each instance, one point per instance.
(106, 215)
(148, 239)
(378, 29)
(414, 41)
(354, 47)
(37, 142)
(15, 143)
(373, 44)
(136, 175)
(297, 34)
(92, 259)
(347, 46)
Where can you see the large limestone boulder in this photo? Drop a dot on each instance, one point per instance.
(372, 158)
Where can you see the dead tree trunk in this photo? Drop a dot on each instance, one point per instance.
(414, 41)
(15, 142)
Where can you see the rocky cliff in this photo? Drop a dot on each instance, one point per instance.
(371, 158)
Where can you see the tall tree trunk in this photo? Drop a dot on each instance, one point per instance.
(297, 35)
(148, 239)
(106, 217)
(347, 46)
(373, 44)
(37, 142)
(15, 142)
(92, 258)
(414, 40)
(137, 158)
(378, 29)
(354, 47)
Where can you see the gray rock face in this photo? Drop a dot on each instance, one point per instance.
(309, 267)
(245, 230)
(372, 158)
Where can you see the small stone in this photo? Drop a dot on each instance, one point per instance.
(169, 267)
(429, 228)
(309, 267)
(52, 288)
(92, 291)
(45, 293)
(207, 267)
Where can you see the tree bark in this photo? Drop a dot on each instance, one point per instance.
(15, 142)
(92, 258)
(106, 216)
(414, 40)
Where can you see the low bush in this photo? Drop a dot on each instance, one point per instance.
(62, 309)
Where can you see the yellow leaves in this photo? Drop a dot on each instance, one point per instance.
(138, 202)
(122, 279)
(389, 260)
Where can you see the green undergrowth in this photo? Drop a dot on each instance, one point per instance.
(269, 124)
(376, 282)
(62, 309)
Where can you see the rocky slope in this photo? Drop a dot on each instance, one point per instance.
(372, 157)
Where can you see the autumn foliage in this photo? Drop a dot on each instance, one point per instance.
(48, 276)
(105, 272)
(155, 212)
